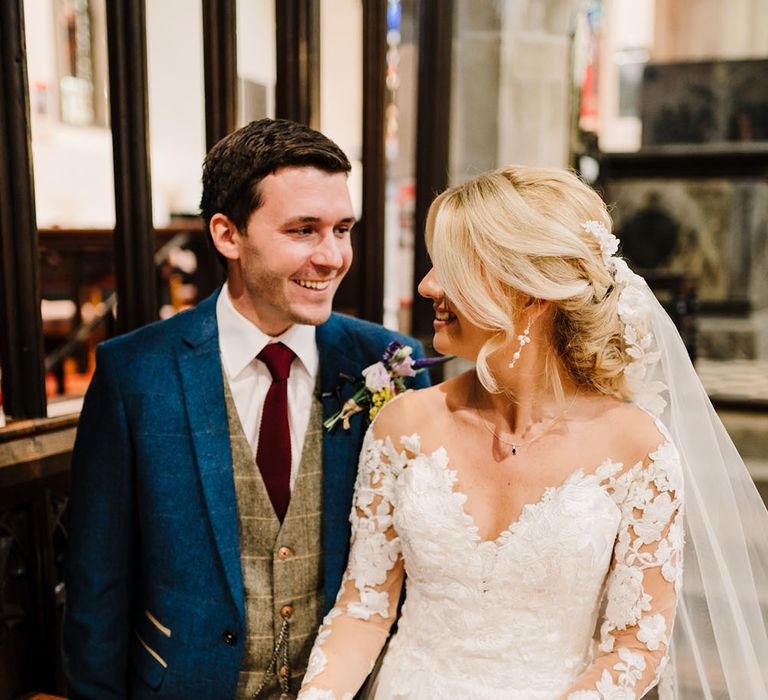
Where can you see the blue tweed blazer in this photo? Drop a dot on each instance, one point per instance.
(154, 605)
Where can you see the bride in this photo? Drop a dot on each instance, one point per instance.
(535, 509)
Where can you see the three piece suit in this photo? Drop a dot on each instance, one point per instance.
(176, 559)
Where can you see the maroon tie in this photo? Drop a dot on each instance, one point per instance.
(273, 455)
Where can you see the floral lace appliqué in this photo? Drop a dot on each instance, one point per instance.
(649, 543)
(515, 617)
(376, 548)
(318, 659)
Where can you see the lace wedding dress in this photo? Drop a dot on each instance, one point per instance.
(573, 600)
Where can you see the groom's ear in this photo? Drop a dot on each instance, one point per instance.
(225, 236)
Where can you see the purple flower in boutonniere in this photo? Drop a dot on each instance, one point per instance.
(381, 382)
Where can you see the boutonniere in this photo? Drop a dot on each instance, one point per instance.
(381, 382)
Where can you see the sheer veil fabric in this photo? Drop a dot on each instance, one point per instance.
(720, 643)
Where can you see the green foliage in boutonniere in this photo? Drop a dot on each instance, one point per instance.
(381, 382)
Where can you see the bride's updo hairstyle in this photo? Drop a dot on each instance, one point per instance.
(514, 235)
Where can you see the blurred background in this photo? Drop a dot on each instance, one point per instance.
(108, 108)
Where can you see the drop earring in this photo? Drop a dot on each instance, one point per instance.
(523, 339)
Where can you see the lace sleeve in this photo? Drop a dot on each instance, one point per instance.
(354, 631)
(643, 583)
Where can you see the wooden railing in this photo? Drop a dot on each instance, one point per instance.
(34, 483)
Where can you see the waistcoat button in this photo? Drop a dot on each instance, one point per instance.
(283, 672)
(284, 553)
(229, 637)
(286, 611)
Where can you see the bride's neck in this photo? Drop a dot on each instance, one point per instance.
(526, 395)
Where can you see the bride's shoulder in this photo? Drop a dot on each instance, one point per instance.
(415, 411)
(634, 431)
(648, 455)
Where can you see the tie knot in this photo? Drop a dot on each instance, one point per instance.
(277, 357)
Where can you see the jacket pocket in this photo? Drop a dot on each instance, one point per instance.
(158, 625)
(147, 663)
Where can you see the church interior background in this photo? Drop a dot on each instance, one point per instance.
(662, 105)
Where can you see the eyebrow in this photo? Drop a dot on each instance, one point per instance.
(315, 219)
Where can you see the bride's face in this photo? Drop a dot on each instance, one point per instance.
(455, 334)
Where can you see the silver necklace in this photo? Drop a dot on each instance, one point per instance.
(522, 443)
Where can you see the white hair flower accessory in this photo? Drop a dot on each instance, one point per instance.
(634, 307)
(609, 244)
(634, 310)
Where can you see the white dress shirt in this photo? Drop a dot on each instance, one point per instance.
(249, 379)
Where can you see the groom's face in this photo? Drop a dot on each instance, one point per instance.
(296, 248)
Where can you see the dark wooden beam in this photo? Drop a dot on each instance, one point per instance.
(220, 69)
(686, 162)
(21, 334)
(134, 234)
(432, 137)
(367, 274)
(297, 95)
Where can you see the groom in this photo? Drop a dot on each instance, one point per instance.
(209, 507)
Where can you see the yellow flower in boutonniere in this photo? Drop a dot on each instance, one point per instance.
(378, 400)
(381, 382)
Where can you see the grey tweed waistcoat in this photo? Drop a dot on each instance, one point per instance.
(282, 565)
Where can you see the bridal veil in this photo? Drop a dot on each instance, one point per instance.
(720, 642)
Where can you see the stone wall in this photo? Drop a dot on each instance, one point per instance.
(510, 91)
(722, 242)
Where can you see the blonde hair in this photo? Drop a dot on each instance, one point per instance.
(515, 234)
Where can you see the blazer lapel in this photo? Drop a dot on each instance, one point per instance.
(201, 375)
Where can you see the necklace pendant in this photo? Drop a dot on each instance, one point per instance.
(514, 450)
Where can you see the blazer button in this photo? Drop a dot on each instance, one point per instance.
(229, 637)
(286, 612)
(284, 553)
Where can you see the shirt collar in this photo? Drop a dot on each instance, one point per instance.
(240, 340)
